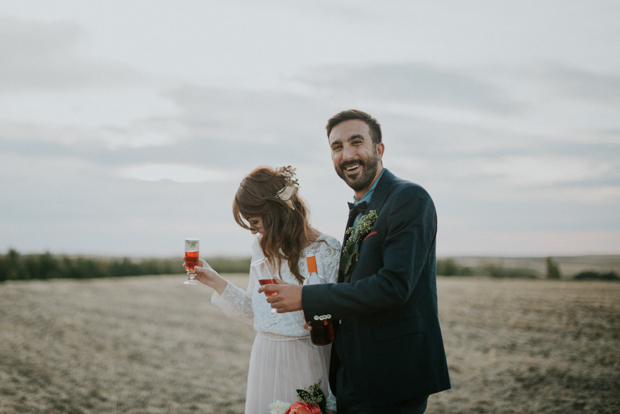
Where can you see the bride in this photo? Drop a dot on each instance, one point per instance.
(283, 358)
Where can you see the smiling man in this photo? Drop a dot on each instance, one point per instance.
(357, 151)
(388, 353)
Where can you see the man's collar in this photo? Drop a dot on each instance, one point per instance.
(368, 194)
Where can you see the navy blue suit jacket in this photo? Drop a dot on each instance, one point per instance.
(387, 330)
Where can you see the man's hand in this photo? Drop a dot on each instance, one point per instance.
(287, 297)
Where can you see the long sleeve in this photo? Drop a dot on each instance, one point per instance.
(236, 303)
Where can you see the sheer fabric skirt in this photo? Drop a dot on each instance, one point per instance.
(280, 365)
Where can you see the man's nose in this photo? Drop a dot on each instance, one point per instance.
(347, 153)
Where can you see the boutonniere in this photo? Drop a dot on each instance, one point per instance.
(350, 253)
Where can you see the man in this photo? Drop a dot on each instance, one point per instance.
(388, 353)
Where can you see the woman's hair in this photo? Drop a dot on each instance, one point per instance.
(286, 229)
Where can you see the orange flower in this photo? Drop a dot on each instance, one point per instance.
(301, 407)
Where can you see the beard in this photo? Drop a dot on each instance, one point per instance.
(368, 167)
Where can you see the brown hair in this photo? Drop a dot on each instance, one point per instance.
(286, 230)
(373, 124)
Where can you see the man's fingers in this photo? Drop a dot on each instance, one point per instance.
(268, 288)
(286, 299)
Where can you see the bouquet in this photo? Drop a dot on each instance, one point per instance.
(311, 401)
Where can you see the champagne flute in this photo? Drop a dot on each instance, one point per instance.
(262, 271)
(191, 259)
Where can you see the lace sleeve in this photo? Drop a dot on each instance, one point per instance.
(329, 253)
(236, 303)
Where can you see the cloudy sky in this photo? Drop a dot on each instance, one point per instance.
(126, 126)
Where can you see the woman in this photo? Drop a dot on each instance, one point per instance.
(283, 358)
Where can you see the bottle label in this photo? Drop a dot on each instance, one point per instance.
(311, 260)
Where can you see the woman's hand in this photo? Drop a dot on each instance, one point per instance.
(306, 325)
(206, 275)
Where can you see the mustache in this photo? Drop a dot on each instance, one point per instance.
(347, 164)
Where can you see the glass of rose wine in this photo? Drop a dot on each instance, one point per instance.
(265, 277)
(191, 259)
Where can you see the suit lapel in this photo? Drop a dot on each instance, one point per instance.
(376, 202)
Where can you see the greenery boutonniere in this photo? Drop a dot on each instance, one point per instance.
(350, 253)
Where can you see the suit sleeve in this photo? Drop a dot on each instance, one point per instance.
(411, 229)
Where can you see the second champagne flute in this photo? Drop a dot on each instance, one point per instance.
(261, 269)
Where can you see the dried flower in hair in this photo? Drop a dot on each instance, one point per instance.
(286, 193)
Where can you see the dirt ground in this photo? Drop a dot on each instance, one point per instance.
(153, 345)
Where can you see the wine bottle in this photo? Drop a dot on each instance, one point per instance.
(322, 332)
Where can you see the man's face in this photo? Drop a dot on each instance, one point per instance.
(355, 156)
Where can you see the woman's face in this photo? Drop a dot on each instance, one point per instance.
(256, 224)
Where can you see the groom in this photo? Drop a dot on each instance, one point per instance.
(388, 353)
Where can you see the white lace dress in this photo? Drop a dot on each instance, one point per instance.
(283, 358)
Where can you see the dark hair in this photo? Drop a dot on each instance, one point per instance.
(373, 125)
(286, 230)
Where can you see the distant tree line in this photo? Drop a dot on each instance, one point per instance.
(450, 267)
(15, 266)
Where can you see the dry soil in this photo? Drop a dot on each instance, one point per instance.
(154, 345)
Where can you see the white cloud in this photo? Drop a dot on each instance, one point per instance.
(142, 133)
(596, 195)
(174, 172)
(570, 82)
(539, 170)
(413, 83)
(37, 56)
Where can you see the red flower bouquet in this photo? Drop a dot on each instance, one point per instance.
(311, 401)
(301, 407)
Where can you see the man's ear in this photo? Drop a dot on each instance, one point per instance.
(380, 148)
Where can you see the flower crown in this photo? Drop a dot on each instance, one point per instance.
(286, 193)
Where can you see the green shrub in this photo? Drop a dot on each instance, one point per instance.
(449, 267)
(230, 265)
(553, 270)
(510, 272)
(594, 275)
